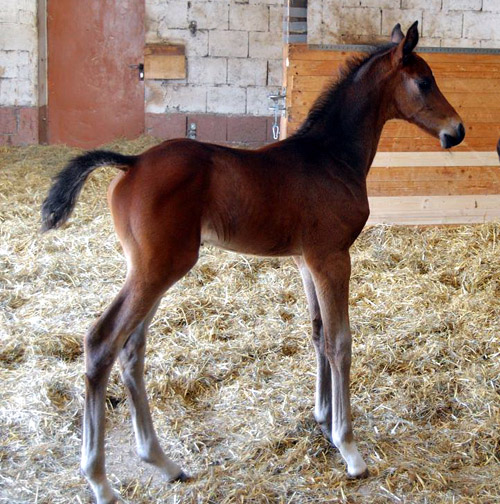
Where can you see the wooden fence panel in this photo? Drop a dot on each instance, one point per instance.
(412, 180)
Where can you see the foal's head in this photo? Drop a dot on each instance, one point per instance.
(417, 97)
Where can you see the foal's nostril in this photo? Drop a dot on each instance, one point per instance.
(448, 140)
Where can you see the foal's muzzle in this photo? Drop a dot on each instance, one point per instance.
(448, 140)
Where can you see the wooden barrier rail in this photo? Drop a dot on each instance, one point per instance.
(412, 180)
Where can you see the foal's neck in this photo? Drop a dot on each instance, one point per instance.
(353, 122)
(360, 121)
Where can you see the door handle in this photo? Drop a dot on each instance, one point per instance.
(140, 68)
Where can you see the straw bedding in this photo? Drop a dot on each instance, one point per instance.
(230, 368)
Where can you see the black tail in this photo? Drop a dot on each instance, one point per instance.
(67, 185)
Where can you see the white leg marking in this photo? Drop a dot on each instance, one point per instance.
(341, 424)
(149, 448)
(355, 463)
(104, 493)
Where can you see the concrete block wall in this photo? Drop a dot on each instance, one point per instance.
(443, 23)
(18, 72)
(234, 61)
(234, 57)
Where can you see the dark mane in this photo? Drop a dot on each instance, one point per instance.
(330, 99)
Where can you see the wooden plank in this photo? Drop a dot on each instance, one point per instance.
(328, 68)
(301, 52)
(434, 209)
(163, 61)
(429, 143)
(419, 143)
(458, 86)
(468, 85)
(303, 97)
(319, 67)
(440, 70)
(402, 129)
(469, 114)
(483, 115)
(445, 158)
(433, 181)
(460, 68)
(451, 57)
(304, 53)
(165, 49)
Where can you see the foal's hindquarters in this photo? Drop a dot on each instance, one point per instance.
(157, 256)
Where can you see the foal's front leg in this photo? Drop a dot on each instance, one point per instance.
(331, 278)
(323, 395)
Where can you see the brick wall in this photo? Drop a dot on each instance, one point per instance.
(234, 60)
(18, 72)
(443, 23)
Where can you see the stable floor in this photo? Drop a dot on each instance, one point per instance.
(230, 369)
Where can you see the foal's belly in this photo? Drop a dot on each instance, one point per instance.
(261, 240)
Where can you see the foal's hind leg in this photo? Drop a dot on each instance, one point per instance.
(323, 396)
(102, 345)
(132, 368)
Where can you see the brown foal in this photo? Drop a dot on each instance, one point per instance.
(303, 197)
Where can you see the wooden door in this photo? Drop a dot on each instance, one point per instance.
(94, 93)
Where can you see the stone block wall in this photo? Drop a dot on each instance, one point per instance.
(234, 56)
(443, 23)
(234, 61)
(18, 72)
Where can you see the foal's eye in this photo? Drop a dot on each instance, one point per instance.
(424, 85)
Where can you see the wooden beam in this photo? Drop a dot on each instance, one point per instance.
(446, 158)
(433, 180)
(434, 209)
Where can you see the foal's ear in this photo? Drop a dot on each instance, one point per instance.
(411, 39)
(397, 34)
(407, 44)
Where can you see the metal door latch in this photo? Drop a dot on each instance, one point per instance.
(279, 109)
(139, 67)
(191, 132)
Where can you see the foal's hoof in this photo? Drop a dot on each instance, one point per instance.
(182, 477)
(115, 499)
(365, 474)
